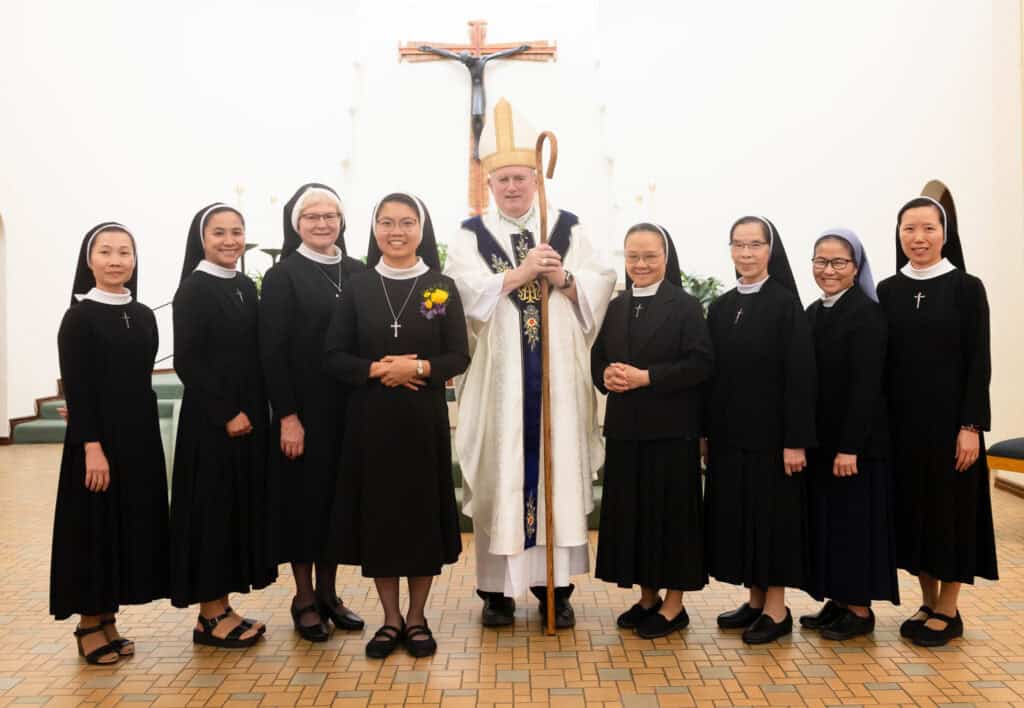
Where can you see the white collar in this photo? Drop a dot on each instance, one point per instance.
(413, 271)
(751, 288)
(319, 257)
(830, 300)
(520, 222)
(932, 271)
(647, 290)
(215, 270)
(105, 298)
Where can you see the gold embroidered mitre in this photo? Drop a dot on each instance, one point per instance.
(507, 140)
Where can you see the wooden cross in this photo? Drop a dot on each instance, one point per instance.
(528, 51)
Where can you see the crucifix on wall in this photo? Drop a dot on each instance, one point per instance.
(475, 56)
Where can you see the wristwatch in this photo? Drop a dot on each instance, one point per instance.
(419, 368)
(569, 278)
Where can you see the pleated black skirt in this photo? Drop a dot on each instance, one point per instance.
(943, 517)
(652, 516)
(394, 511)
(853, 545)
(111, 548)
(756, 519)
(222, 519)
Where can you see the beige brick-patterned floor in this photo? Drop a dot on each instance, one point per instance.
(594, 664)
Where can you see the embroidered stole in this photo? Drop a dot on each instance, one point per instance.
(527, 301)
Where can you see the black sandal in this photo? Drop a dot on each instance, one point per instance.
(123, 645)
(382, 648)
(248, 622)
(420, 647)
(95, 655)
(233, 640)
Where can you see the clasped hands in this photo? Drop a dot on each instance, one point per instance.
(544, 261)
(619, 378)
(400, 370)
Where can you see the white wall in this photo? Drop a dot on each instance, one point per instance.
(813, 114)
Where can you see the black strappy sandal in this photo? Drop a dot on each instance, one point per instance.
(94, 657)
(382, 648)
(123, 645)
(249, 622)
(233, 640)
(420, 647)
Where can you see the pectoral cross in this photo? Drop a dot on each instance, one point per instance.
(127, 320)
(636, 315)
(395, 327)
(739, 313)
(239, 294)
(919, 297)
(475, 56)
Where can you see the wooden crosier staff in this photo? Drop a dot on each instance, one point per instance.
(545, 378)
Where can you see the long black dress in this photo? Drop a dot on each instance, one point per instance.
(852, 538)
(938, 372)
(296, 303)
(652, 516)
(221, 504)
(109, 548)
(761, 400)
(394, 511)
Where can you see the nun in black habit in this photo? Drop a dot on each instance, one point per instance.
(938, 371)
(221, 503)
(110, 538)
(297, 299)
(650, 357)
(849, 474)
(397, 337)
(760, 420)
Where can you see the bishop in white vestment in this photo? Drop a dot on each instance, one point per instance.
(496, 261)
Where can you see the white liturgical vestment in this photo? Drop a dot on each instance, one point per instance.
(489, 435)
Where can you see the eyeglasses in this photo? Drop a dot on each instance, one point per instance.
(838, 264)
(634, 258)
(391, 224)
(329, 219)
(752, 246)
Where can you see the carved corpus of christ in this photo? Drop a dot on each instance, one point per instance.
(478, 99)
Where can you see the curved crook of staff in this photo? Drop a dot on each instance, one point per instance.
(549, 517)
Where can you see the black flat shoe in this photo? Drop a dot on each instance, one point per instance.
(384, 641)
(419, 640)
(636, 614)
(105, 655)
(310, 632)
(824, 617)
(499, 611)
(742, 616)
(909, 627)
(655, 625)
(233, 640)
(928, 637)
(765, 629)
(341, 616)
(565, 616)
(848, 626)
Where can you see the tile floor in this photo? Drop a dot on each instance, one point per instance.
(594, 664)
